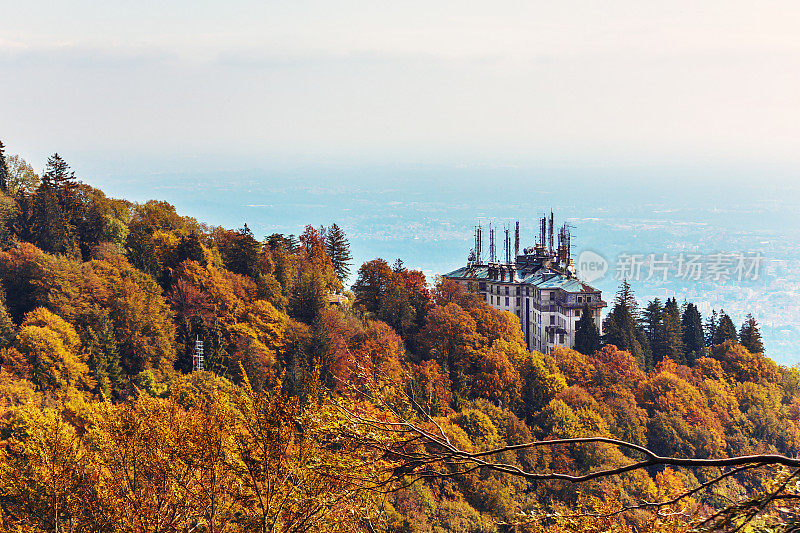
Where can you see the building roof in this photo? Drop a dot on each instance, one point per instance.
(543, 278)
(470, 272)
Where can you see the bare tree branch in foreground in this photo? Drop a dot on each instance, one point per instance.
(417, 453)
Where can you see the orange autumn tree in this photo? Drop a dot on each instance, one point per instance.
(361, 356)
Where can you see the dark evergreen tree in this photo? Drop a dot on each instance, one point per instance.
(711, 328)
(62, 179)
(338, 248)
(750, 335)
(292, 243)
(653, 324)
(50, 227)
(276, 242)
(693, 339)
(623, 330)
(673, 335)
(726, 330)
(398, 265)
(190, 248)
(54, 209)
(4, 173)
(141, 250)
(587, 336)
(240, 253)
(308, 297)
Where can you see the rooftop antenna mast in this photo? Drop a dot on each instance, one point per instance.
(550, 233)
(516, 241)
(492, 255)
(543, 232)
(568, 227)
(478, 243)
(507, 246)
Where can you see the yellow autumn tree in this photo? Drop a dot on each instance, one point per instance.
(52, 351)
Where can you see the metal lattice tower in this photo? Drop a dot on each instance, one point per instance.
(198, 354)
(478, 243)
(492, 255)
(507, 246)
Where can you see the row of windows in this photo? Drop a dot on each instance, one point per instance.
(491, 300)
(499, 289)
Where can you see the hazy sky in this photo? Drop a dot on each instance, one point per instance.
(573, 80)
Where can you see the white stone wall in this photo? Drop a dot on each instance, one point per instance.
(537, 337)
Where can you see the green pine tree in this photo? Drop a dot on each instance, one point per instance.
(292, 243)
(190, 248)
(587, 336)
(338, 248)
(750, 335)
(307, 299)
(653, 324)
(725, 330)
(673, 334)
(711, 328)
(62, 178)
(622, 327)
(693, 339)
(53, 209)
(50, 227)
(241, 255)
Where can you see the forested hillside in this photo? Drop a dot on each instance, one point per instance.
(309, 405)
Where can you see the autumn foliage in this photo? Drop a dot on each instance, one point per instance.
(106, 426)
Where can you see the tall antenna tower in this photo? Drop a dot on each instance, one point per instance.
(478, 243)
(507, 247)
(550, 233)
(492, 255)
(198, 354)
(543, 232)
(516, 241)
(564, 243)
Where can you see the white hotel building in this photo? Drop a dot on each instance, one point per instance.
(540, 287)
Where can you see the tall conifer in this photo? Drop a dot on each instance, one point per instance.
(693, 339)
(711, 328)
(623, 330)
(750, 335)
(673, 335)
(587, 336)
(725, 330)
(338, 248)
(653, 324)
